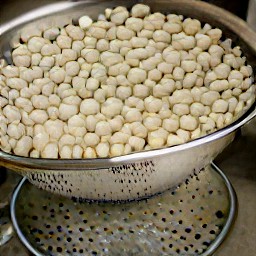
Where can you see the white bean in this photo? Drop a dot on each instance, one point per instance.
(208, 98)
(173, 140)
(77, 152)
(171, 124)
(220, 106)
(180, 109)
(189, 80)
(90, 55)
(96, 32)
(203, 41)
(12, 113)
(103, 128)
(91, 139)
(38, 116)
(16, 131)
(40, 140)
(184, 135)
(219, 85)
(89, 153)
(50, 151)
(140, 10)
(134, 24)
(23, 146)
(51, 33)
(119, 15)
(111, 107)
(54, 128)
(136, 143)
(172, 27)
(66, 111)
(85, 22)
(116, 150)
(152, 122)
(89, 107)
(188, 122)
(191, 26)
(181, 96)
(102, 149)
(197, 109)
(10, 71)
(136, 75)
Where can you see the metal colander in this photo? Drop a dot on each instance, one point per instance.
(193, 219)
(139, 174)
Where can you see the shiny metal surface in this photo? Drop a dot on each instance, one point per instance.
(123, 175)
(193, 219)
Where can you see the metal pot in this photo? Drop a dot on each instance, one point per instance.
(136, 175)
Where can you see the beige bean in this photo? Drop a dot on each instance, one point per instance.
(215, 34)
(116, 150)
(111, 107)
(116, 123)
(154, 21)
(220, 106)
(16, 131)
(102, 149)
(173, 140)
(181, 96)
(38, 116)
(12, 113)
(180, 109)
(140, 10)
(136, 143)
(51, 33)
(10, 71)
(219, 85)
(152, 122)
(40, 140)
(109, 59)
(188, 122)
(172, 27)
(23, 146)
(135, 24)
(136, 75)
(50, 151)
(157, 138)
(181, 41)
(184, 135)
(103, 128)
(89, 107)
(119, 15)
(189, 80)
(90, 55)
(91, 139)
(208, 98)
(171, 124)
(191, 26)
(54, 128)
(75, 32)
(197, 109)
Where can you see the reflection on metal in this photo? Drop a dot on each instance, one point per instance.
(251, 17)
(6, 228)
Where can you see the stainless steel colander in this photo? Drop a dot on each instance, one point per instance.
(193, 219)
(136, 175)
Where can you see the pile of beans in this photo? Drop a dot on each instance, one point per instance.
(129, 81)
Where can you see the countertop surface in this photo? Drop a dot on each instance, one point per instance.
(238, 162)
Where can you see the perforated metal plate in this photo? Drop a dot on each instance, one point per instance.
(193, 219)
